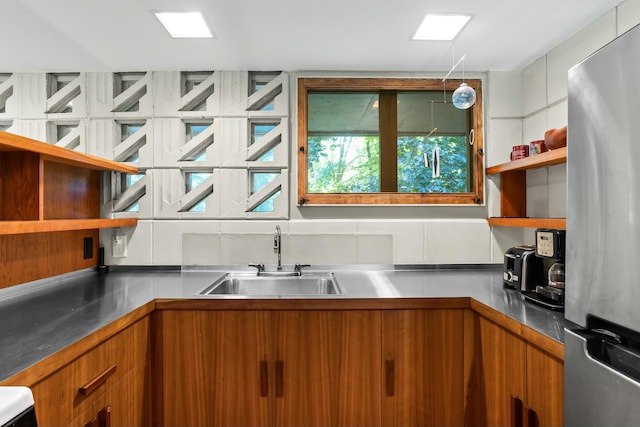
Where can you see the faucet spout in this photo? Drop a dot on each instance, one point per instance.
(277, 246)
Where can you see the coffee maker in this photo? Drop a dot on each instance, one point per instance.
(550, 247)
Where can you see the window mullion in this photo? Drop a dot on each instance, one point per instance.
(388, 121)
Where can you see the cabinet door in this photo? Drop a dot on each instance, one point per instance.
(423, 367)
(212, 368)
(327, 368)
(129, 401)
(545, 387)
(497, 376)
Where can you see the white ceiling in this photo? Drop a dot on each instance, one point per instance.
(341, 35)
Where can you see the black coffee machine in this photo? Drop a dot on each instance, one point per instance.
(550, 246)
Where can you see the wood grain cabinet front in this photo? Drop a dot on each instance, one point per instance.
(263, 368)
(75, 393)
(312, 367)
(513, 382)
(423, 367)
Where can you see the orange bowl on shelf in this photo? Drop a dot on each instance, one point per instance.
(556, 138)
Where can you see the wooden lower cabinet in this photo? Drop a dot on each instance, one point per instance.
(545, 387)
(309, 367)
(212, 368)
(497, 374)
(115, 373)
(330, 362)
(512, 382)
(423, 357)
(263, 368)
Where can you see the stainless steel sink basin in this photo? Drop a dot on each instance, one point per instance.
(321, 283)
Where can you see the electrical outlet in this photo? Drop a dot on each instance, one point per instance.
(88, 247)
(119, 247)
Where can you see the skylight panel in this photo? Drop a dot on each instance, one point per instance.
(185, 24)
(441, 27)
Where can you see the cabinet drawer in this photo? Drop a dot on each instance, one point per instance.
(70, 391)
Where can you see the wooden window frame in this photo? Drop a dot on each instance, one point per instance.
(306, 85)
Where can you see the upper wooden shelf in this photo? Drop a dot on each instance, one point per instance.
(44, 188)
(553, 157)
(50, 225)
(513, 191)
(12, 142)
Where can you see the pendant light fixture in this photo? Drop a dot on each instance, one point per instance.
(463, 97)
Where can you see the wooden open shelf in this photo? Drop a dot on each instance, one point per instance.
(557, 223)
(51, 153)
(513, 191)
(549, 158)
(45, 226)
(44, 188)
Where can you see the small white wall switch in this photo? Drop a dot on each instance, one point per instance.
(119, 246)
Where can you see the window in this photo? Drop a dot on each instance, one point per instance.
(388, 141)
(191, 80)
(192, 180)
(55, 82)
(193, 129)
(122, 82)
(57, 131)
(6, 94)
(259, 180)
(127, 181)
(258, 80)
(258, 130)
(127, 130)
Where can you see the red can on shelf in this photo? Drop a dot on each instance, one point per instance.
(519, 152)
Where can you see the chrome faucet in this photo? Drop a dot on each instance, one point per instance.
(277, 246)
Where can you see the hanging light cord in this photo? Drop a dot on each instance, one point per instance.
(454, 67)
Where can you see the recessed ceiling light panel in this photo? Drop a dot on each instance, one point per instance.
(441, 27)
(185, 24)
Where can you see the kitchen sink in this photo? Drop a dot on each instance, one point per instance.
(311, 283)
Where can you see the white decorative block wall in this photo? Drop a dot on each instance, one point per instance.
(9, 104)
(170, 101)
(173, 201)
(32, 91)
(69, 100)
(277, 92)
(67, 133)
(106, 100)
(118, 201)
(171, 125)
(234, 87)
(35, 129)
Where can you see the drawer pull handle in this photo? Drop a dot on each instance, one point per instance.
(279, 378)
(104, 417)
(532, 418)
(93, 385)
(264, 378)
(517, 409)
(390, 378)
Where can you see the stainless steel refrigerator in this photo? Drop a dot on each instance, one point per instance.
(602, 353)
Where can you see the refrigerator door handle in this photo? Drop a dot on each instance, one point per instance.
(624, 359)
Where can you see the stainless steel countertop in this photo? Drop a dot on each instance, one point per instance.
(41, 318)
